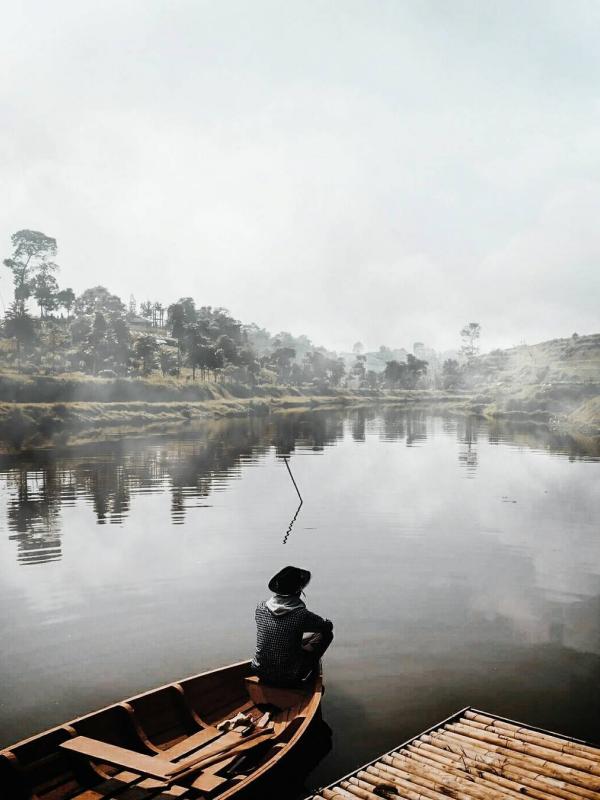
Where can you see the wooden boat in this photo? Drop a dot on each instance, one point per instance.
(165, 743)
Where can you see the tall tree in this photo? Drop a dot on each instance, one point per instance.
(179, 316)
(196, 348)
(98, 298)
(470, 336)
(31, 249)
(282, 359)
(146, 348)
(45, 288)
(19, 325)
(167, 360)
(66, 299)
(393, 372)
(415, 368)
(118, 340)
(158, 314)
(146, 310)
(359, 367)
(98, 341)
(451, 376)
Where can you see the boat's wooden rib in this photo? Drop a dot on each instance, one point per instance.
(159, 745)
(476, 756)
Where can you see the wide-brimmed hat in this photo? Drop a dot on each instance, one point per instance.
(289, 580)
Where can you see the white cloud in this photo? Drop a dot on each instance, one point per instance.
(383, 172)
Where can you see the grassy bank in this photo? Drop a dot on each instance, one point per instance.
(572, 407)
(48, 411)
(26, 426)
(555, 383)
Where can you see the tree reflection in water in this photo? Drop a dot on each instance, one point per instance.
(191, 466)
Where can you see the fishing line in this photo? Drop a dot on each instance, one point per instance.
(291, 525)
(285, 458)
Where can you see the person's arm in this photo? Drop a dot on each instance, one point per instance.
(316, 624)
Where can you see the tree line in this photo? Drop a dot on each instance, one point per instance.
(98, 334)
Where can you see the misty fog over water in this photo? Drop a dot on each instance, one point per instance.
(459, 561)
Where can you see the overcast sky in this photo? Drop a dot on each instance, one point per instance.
(382, 171)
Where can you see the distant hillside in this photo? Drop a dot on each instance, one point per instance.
(576, 359)
(556, 381)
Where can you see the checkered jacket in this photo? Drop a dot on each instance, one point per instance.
(279, 656)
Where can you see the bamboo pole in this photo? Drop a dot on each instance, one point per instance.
(582, 764)
(526, 734)
(568, 791)
(377, 775)
(409, 791)
(336, 794)
(459, 783)
(480, 779)
(459, 789)
(532, 737)
(358, 791)
(535, 763)
(409, 785)
(487, 773)
(362, 788)
(516, 785)
(463, 782)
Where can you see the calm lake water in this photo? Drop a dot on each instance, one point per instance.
(460, 564)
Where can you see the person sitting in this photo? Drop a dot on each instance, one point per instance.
(290, 639)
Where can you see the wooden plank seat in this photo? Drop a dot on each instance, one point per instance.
(120, 756)
(193, 742)
(160, 767)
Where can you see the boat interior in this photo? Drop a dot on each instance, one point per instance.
(164, 743)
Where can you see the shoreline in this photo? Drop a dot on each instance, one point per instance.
(40, 426)
(26, 427)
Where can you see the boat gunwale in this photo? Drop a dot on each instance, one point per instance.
(437, 726)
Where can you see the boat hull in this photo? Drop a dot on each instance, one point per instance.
(153, 724)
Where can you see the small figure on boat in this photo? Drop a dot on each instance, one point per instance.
(290, 639)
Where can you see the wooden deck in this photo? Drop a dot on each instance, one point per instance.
(476, 756)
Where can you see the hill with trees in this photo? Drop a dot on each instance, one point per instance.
(97, 334)
(96, 348)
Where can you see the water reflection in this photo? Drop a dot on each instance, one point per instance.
(290, 779)
(291, 525)
(458, 559)
(192, 467)
(467, 430)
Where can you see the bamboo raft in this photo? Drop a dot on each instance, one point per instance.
(166, 743)
(475, 756)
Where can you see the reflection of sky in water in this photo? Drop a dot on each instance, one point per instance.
(460, 563)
